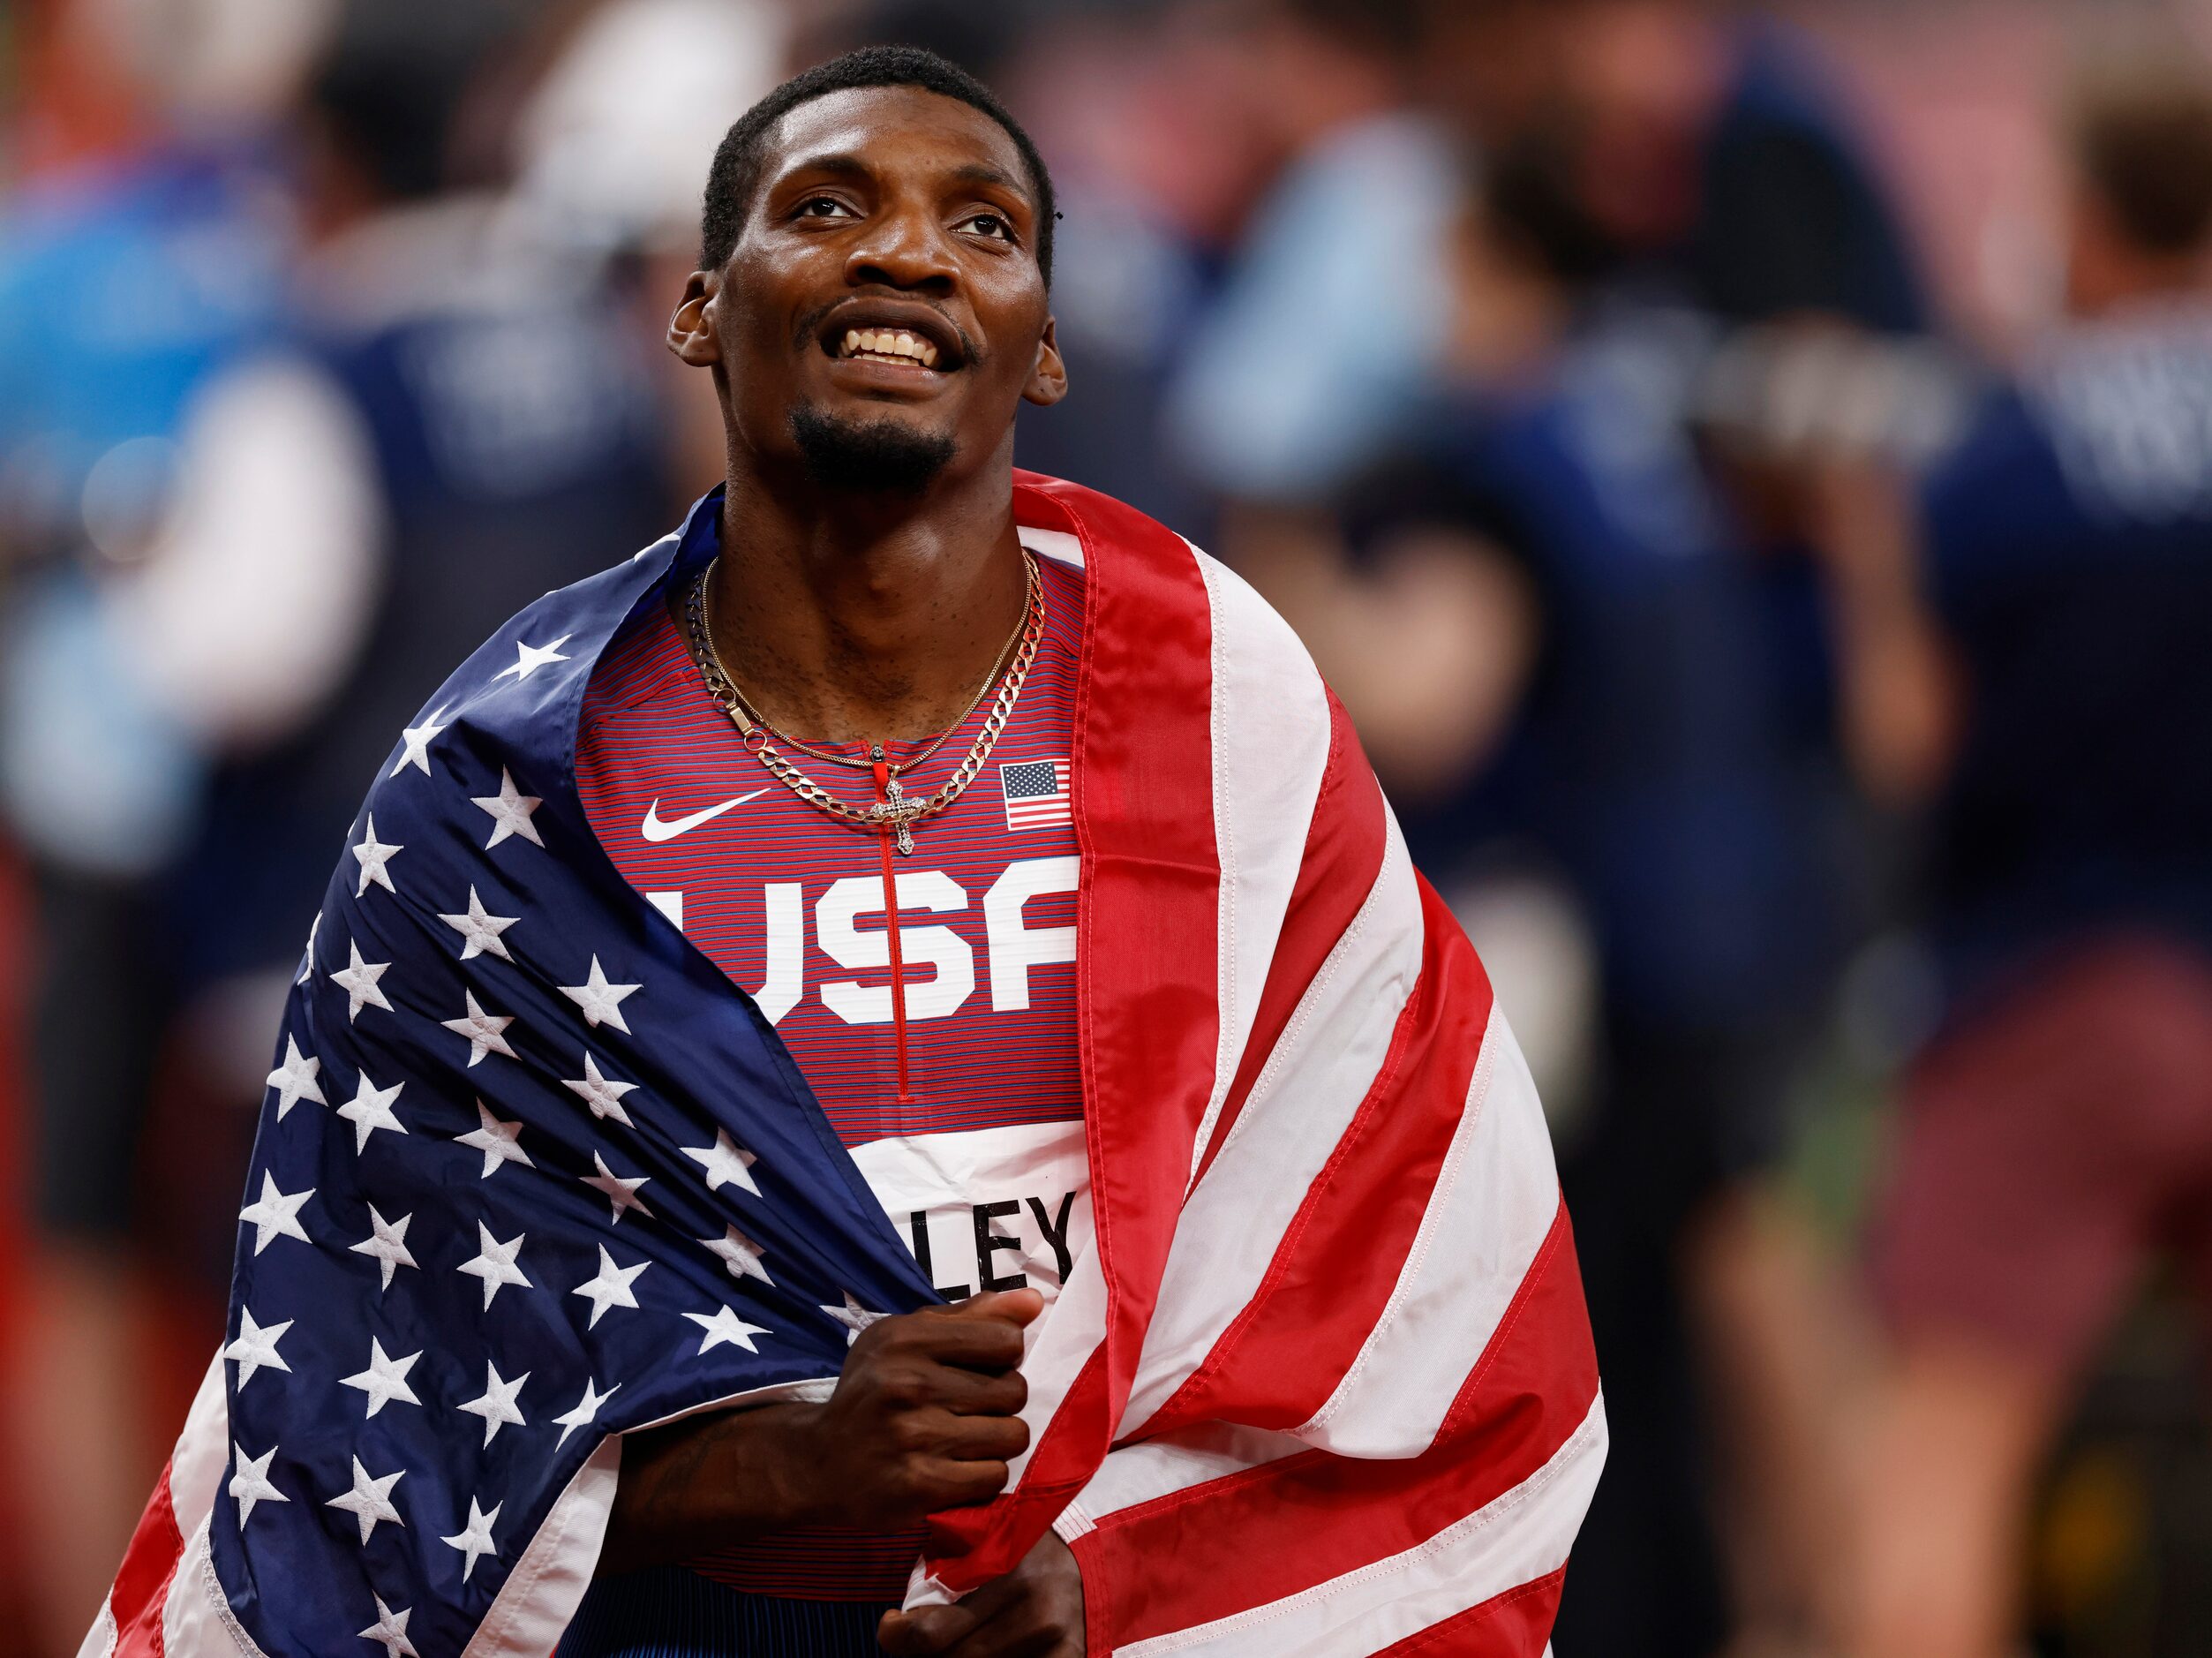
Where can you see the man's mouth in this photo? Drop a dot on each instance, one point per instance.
(888, 345)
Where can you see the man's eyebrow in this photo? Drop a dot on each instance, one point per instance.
(838, 162)
(984, 173)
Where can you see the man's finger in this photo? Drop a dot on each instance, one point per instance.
(919, 1633)
(980, 1439)
(965, 1480)
(967, 1393)
(989, 1345)
(934, 1629)
(1012, 1306)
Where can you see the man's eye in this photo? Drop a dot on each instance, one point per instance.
(989, 224)
(822, 207)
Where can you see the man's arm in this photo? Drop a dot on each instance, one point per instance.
(1898, 687)
(923, 1419)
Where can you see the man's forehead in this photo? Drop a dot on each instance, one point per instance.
(888, 126)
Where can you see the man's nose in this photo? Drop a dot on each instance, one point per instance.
(903, 249)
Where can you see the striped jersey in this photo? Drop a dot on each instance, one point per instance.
(953, 1082)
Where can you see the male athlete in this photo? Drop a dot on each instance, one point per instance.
(1110, 1216)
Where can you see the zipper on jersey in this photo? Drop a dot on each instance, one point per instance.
(891, 911)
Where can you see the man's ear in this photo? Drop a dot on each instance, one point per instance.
(1047, 380)
(691, 335)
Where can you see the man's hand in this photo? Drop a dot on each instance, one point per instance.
(923, 1415)
(923, 1419)
(1035, 1611)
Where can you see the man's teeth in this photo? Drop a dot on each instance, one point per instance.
(889, 345)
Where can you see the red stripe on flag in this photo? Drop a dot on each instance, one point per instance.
(141, 1587)
(1344, 845)
(1342, 1256)
(1258, 1536)
(1515, 1624)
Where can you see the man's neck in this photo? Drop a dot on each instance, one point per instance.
(865, 620)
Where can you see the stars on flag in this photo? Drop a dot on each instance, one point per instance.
(724, 1327)
(371, 1109)
(386, 1378)
(496, 1404)
(415, 740)
(249, 1484)
(370, 1501)
(610, 1286)
(255, 1349)
(275, 1214)
(475, 1538)
(529, 657)
(362, 1480)
(386, 1245)
(375, 855)
(853, 1316)
(480, 930)
(294, 1080)
(511, 809)
(390, 1630)
(603, 1094)
(739, 1256)
(358, 979)
(621, 1193)
(585, 1411)
(483, 1030)
(494, 1264)
(498, 1140)
(725, 1162)
(601, 1001)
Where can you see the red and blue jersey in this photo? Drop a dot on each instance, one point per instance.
(954, 1083)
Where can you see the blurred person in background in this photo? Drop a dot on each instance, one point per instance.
(309, 479)
(1319, 340)
(1693, 144)
(2026, 652)
(435, 442)
(1675, 213)
(1558, 654)
(128, 277)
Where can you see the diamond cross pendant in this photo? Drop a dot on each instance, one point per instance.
(894, 797)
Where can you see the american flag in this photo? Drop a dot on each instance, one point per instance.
(532, 1173)
(1036, 794)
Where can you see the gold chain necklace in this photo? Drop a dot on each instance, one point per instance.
(894, 812)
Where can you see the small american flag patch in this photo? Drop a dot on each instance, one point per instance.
(1036, 794)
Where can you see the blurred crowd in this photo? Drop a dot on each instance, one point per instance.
(1748, 471)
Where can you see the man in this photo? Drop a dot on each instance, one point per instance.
(1316, 1375)
(1554, 637)
(2050, 695)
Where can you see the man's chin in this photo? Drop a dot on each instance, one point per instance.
(869, 450)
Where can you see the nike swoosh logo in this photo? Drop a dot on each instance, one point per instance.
(659, 828)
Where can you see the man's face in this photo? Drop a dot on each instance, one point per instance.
(883, 294)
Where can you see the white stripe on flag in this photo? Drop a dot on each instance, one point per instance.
(1521, 1536)
(1267, 691)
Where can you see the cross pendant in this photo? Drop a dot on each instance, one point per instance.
(893, 795)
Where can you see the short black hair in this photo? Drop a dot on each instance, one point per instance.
(2141, 136)
(739, 160)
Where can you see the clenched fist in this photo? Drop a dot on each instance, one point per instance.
(922, 1418)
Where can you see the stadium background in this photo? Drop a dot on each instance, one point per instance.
(328, 335)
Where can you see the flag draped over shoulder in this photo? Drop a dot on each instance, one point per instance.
(532, 1173)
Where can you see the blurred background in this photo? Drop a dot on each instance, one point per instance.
(1747, 469)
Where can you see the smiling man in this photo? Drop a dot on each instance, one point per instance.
(887, 1053)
